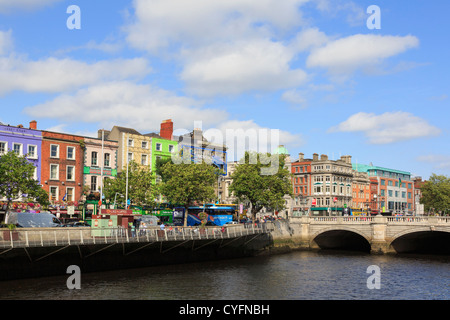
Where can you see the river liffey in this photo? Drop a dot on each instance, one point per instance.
(300, 275)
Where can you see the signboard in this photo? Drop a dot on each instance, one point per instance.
(335, 199)
(241, 208)
(313, 202)
(71, 210)
(117, 211)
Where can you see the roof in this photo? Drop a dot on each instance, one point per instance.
(366, 168)
(281, 150)
(127, 130)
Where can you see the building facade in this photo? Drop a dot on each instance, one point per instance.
(100, 160)
(301, 183)
(24, 142)
(395, 192)
(62, 166)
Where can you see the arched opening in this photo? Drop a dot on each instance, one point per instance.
(342, 240)
(427, 242)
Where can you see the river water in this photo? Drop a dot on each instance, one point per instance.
(306, 275)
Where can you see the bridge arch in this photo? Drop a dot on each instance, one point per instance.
(342, 238)
(426, 239)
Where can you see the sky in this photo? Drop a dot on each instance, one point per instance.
(370, 79)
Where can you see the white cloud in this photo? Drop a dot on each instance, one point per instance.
(388, 127)
(294, 97)
(240, 67)
(6, 42)
(7, 6)
(345, 55)
(142, 107)
(200, 22)
(439, 161)
(56, 75)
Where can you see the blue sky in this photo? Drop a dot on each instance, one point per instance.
(311, 69)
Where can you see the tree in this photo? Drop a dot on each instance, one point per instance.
(185, 183)
(140, 188)
(17, 180)
(436, 193)
(260, 183)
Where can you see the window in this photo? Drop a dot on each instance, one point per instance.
(3, 147)
(54, 171)
(390, 193)
(32, 151)
(171, 148)
(71, 153)
(144, 145)
(130, 156)
(130, 142)
(94, 158)
(107, 159)
(383, 182)
(93, 183)
(53, 193)
(54, 151)
(69, 194)
(17, 147)
(158, 147)
(70, 173)
(144, 159)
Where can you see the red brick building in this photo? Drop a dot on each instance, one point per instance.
(62, 166)
(302, 184)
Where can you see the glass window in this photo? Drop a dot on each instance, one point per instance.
(144, 145)
(94, 158)
(70, 173)
(107, 160)
(144, 159)
(71, 153)
(171, 148)
(69, 194)
(17, 147)
(54, 171)
(32, 151)
(158, 147)
(3, 147)
(54, 151)
(53, 193)
(93, 183)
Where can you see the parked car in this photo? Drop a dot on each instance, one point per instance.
(33, 220)
(77, 224)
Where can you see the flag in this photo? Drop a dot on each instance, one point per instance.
(399, 182)
(64, 198)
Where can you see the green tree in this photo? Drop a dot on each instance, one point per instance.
(185, 183)
(262, 180)
(436, 193)
(140, 189)
(17, 180)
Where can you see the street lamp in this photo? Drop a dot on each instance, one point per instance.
(117, 193)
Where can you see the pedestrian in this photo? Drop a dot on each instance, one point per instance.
(162, 226)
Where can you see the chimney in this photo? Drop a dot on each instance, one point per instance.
(301, 156)
(166, 130)
(323, 157)
(33, 124)
(315, 157)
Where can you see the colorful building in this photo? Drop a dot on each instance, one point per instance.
(302, 186)
(395, 192)
(62, 166)
(100, 160)
(24, 141)
(132, 146)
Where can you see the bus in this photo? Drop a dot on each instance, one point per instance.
(214, 215)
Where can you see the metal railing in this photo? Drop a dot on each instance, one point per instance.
(53, 237)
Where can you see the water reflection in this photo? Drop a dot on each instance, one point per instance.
(297, 275)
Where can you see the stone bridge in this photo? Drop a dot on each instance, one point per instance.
(375, 234)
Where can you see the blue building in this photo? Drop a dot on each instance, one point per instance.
(23, 141)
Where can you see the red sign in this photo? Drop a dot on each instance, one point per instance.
(116, 211)
(313, 202)
(335, 199)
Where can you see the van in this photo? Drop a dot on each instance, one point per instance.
(33, 220)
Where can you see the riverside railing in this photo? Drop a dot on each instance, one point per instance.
(46, 237)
